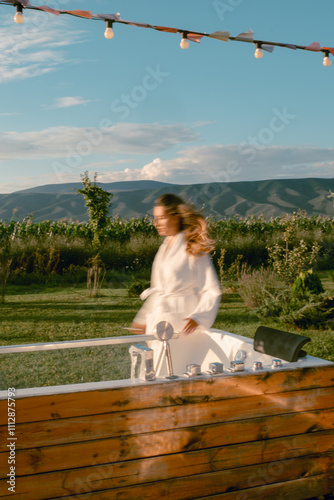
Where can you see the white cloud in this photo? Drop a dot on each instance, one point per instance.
(32, 49)
(68, 102)
(61, 142)
(217, 163)
(116, 153)
(206, 164)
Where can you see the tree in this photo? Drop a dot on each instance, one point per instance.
(98, 203)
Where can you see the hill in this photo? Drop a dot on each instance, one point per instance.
(270, 198)
(70, 187)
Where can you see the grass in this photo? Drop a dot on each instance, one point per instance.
(33, 314)
(39, 314)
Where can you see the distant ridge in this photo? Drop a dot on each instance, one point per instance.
(108, 186)
(269, 198)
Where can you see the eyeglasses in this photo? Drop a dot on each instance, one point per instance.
(159, 218)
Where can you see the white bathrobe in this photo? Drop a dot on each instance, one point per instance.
(182, 286)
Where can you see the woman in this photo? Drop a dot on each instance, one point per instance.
(184, 286)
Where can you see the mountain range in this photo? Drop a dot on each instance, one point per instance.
(269, 198)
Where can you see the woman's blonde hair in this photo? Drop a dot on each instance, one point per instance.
(192, 223)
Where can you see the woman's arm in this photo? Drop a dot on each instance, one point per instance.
(137, 328)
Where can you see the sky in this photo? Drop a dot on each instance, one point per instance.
(139, 107)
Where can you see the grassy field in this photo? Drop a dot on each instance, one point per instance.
(40, 314)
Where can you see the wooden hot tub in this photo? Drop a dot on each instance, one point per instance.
(264, 434)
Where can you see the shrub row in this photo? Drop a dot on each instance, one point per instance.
(64, 247)
(119, 229)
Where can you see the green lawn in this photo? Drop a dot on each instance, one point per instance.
(50, 315)
(39, 314)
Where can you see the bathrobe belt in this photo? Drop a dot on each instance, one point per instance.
(181, 293)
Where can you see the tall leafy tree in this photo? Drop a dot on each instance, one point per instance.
(98, 203)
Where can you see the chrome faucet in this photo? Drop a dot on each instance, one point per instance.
(146, 369)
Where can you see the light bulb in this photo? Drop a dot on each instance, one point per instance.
(18, 18)
(326, 61)
(184, 43)
(109, 34)
(258, 53)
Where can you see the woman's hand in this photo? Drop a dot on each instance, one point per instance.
(190, 326)
(137, 328)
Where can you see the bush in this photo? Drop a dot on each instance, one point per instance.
(265, 292)
(137, 287)
(290, 262)
(315, 313)
(307, 283)
(257, 287)
(252, 249)
(134, 255)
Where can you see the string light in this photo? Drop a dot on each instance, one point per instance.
(187, 36)
(326, 62)
(184, 41)
(18, 18)
(109, 34)
(258, 52)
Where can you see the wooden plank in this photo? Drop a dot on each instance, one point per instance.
(224, 481)
(104, 426)
(180, 392)
(105, 451)
(132, 472)
(299, 489)
(236, 480)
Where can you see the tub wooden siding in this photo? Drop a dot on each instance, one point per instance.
(241, 437)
